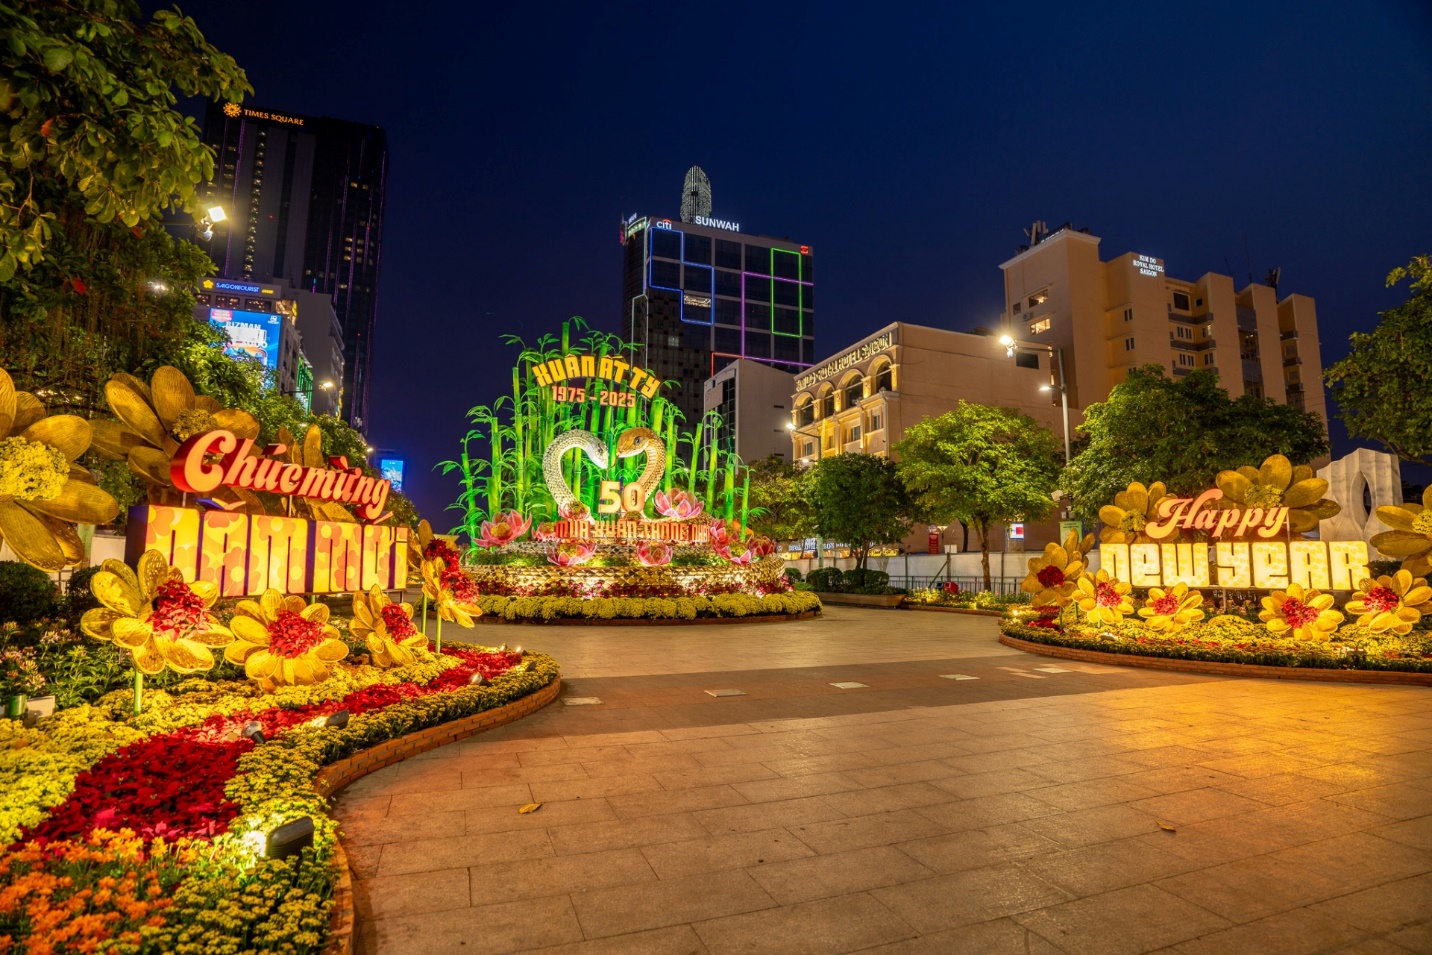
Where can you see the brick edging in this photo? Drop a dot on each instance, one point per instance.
(331, 778)
(1260, 671)
(972, 611)
(498, 621)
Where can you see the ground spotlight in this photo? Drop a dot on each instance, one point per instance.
(254, 730)
(290, 838)
(337, 720)
(478, 680)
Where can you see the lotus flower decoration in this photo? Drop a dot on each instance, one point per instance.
(545, 532)
(504, 528)
(725, 534)
(576, 511)
(572, 553)
(654, 553)
(678, 505)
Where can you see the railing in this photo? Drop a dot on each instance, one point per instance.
(1294, 360)
(1290, 333)
(999, 585)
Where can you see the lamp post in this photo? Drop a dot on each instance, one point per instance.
(1011, 346)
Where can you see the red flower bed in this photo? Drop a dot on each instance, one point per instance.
(172, 784)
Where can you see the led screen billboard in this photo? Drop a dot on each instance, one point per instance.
(392, 471)
(251, 334)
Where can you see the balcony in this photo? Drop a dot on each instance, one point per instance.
(1290, 334)
(1289, 362)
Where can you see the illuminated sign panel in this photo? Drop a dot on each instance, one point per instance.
(1148, 266)
(853, 357)
(224, 285)
(711, 223)
(1257, 564)
(392, 471)
(608, 367)
(251, 334)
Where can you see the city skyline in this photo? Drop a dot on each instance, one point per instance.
(914, 168)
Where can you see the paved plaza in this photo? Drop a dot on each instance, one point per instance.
(954, 796)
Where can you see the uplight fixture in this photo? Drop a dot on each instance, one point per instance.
(216, 214)
(290, 839)
(478, 680)
(338, 720)
(254, 730)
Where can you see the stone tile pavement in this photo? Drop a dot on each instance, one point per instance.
(1043, 807)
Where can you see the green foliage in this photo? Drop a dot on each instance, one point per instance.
(89, 95)
(780, 497)
(1381, 386)
(859, 500)
(26, 593)
(1183, 432)
(793, 574)
(980, 465)
(78, 595)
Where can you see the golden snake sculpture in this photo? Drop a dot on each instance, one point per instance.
(630, 443)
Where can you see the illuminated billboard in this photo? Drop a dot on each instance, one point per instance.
(392, 471)
(251, 334)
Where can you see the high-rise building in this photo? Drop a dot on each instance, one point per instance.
(698, 295)
(1110, 317)
(754, 401)
(304, 202)
(261, 322)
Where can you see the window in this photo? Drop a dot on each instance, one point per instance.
(665, 274)
(875, 423)
(1198, 302)
(728, 283)
(758, 289)
(829, 441)
(1014, 309)
(852, 434)
(827, 404)
(1040, 326)
(698, 249)
(1186, 361)
(1026, 359)
(1208, 331)
(1184, 333)
(1039, 298)
(788, 321)
(1128, 314)
(807, 449)
(1180, 301)
(698, 279)
(786, 265)
(666, 243)
(1207, 360)
(805, 415)
(786, 349)
(728, 255)
(853, 393)
(728, 340)
(787, 293)
(673, 341)
(758, 259)
(1128, 344)
(883, 378)
(728, 311)
(226, 301)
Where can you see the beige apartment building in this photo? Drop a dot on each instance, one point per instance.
(1109, 317)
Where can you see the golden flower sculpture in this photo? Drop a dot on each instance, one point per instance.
(418, 549)
(155, 418)
(1410, 539)
(1173, 609)
(452, 592)
(1103, 599)
(1052, 576)
(1391, 604)
(387, 628)
(1124, 520)
(1279, 484)
(43, 493)
(1305, 614)
(154, 614)
(283, 641)
(309, 453)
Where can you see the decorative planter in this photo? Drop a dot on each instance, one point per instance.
(972, 611)
(888, 601)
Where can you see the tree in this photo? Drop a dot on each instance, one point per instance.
(981, 465)
(1381, 387)
(780, 499)
(1181, 431)
(858, 499)
(94, 152)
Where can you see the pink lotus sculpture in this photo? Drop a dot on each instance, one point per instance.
(762, 546)
(545, 532)
(724, 534)
(744, 557)
(572, 553)
(654, 553)
(504, 528)
(679, 505)
(756, 548)
(575, 511)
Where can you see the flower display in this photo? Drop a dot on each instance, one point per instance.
(504, 528)
(1279, 484)
(43, 493)
(678, 505)
(654, 553)
(1103, 599)
(1134, 507)
(162, 620)
(309, 454)
(1410, 539)
(545, 532)
(452, 592)
(1306, 614)
(1051, 578)
(1391, 604)
(386, 627)
(575, 511)
(571, 553)
(1173, 609)
(154, 419)
(283, 641)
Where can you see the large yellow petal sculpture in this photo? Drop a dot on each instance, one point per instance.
(1279, 484)
(1410, 539)
(387, 628)
(283, 641)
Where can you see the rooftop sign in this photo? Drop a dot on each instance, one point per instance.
(853, 357)
(711, 223)
(1148, 266)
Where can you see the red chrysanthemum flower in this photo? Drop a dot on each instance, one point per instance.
(178, 610)
(290, 635)
(1051, 576)
(1299, 614)
(397, 622)
(1382, 600)
(1107, 596)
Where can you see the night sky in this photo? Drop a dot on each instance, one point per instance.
(909, 149)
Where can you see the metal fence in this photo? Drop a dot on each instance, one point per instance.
(998, 585)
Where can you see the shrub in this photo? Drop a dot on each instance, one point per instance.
(827, 580)
(793, 574)
(26, 593)
(78, 596)
(866, 581)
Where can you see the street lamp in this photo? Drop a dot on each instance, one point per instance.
(326, 384)
(1012, 346)
(205, 226)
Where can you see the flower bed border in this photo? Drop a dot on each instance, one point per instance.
(1254, 670)
(879, 601)
(334, 776)
(973, 611)
(495, 620)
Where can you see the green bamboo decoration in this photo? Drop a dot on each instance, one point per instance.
(746, 499)
(138, 692)
(730, 494)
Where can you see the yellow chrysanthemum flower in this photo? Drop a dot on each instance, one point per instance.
(283, 641)
(387, 628)
(1305, 614)
(1391, 604)
(1410, 539)
(1124, 520)
(43, 493)
(159, 618)
(1173, 609)
(1104, 599)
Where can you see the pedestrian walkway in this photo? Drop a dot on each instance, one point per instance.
(720, 793)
